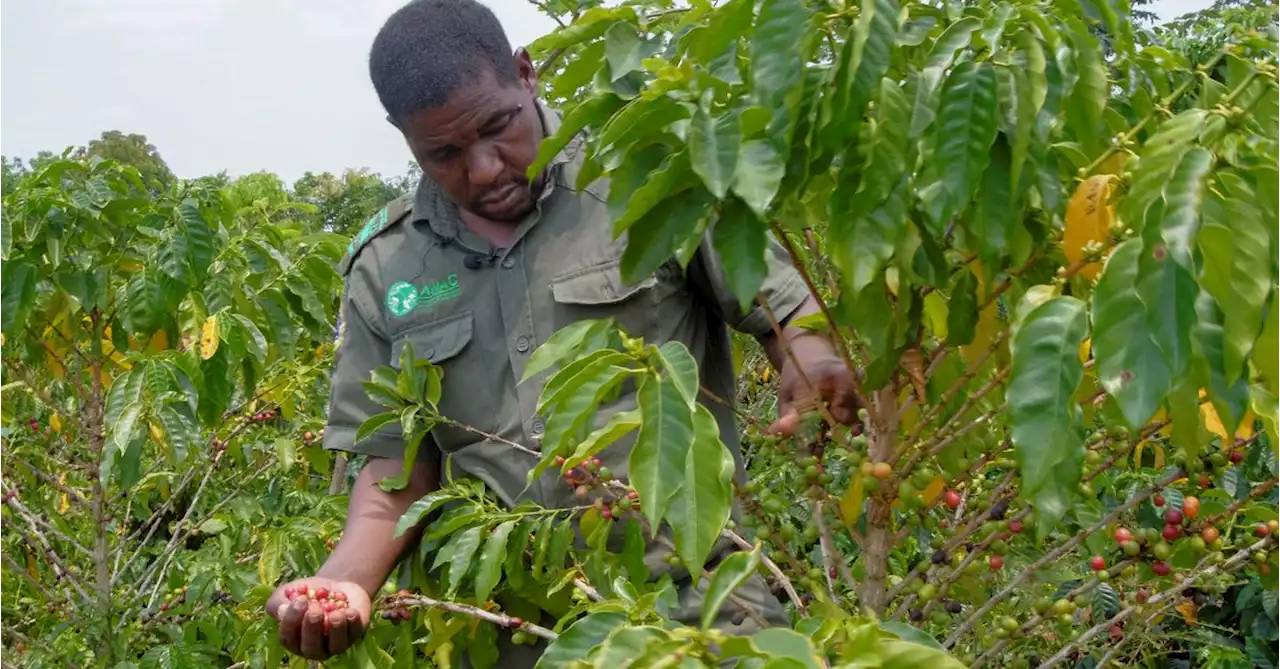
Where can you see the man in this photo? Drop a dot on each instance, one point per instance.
(478, 268)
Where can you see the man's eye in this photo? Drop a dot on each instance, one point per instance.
(498, 126)
(441, 155)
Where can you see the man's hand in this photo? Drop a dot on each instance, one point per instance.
(303, 628)
(831, 380)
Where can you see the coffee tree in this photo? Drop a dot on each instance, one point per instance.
(1044, 237)
(164, 366)
(1046, 242)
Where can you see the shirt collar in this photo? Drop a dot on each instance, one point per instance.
(430, 202)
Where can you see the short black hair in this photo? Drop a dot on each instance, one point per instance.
(429, 48)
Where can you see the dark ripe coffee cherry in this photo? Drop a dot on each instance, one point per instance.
(738, 617)
(1097, 563)
(917, 615)
(1161, 568)
(1173, 517)
(514, 622)
(1171, 532)
(999, 509)
(1237, 457)
(954, 607)
(1261, 530)
(995, 562)
(939, 557)
(1015, 526)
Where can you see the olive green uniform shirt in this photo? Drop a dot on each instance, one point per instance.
(407, 280)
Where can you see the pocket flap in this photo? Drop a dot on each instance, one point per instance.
(599, 284)
(436, 341)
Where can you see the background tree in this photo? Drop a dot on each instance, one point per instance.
(133, 150)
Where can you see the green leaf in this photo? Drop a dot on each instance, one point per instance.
(728, 23)
(620, 424)
(591, 112)
(927, 87)
(661, 451)
(1161, 154)
(1230, 400)
(777, 62)
(6, 239)
(577, 641)
(785, 643)
(460, 562)
(623, 50)
(199, 235)
(874, 34)
(639, 118)
(570, 416)
(255, 343)
(592, 24)
(558, 346)
(1130, 366)
(660, 234)
(905, 654)
(714, 143)
(17, 288)
(967, 131)
(417, 511)
(625, 644)
(1089, 96)
(1184, 196)
(740, 239)
(700, 507)
(411, 444)
(758, 175)
(489, 570)
(1048, 437)
(732, 572)
(1168, 291)
(671, 177)
(276, 309)
(286, 451)
(682, 368)
(962, 308)
(1238, 260)
(124, 407)
(997, 210)
(375, 423)
(955, 37)
(908, 633)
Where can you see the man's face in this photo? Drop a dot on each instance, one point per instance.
(478, 144)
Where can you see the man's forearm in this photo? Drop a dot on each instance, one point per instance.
(797, 338)
(369, 549)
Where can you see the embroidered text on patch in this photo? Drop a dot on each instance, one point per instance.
(403, 297)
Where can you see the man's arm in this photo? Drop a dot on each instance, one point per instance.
(369, 549)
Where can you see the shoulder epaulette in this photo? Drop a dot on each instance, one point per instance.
(390, 214)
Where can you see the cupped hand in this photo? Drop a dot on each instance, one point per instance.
(832, 382)
(306, 629)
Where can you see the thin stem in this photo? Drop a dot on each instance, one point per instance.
(500, 619)
(778, 575)
(491, 437)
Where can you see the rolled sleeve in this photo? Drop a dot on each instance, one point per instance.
(360, 350)
(783, 288)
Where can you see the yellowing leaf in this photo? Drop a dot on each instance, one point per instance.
(209, 338)
(157, 434)
(55, 423)
(1085, 347)
(1212, 423)
(851, 502)
(64, 502)
(1188, 610)
(984, 332)
(1088, 220)
(913, 363)
(51, 363)
(159, 341)
(934, 489)
(935, 314)
(1114, 164)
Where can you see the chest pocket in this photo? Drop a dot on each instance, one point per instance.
(447, 344)
(598, 291)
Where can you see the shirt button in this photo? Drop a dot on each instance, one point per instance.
(508, 262)
(522, 344)
(536, 426)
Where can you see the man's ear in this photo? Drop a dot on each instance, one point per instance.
(525, 70)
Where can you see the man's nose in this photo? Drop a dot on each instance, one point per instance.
(484, 165)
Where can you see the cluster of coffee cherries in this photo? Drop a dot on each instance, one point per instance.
(263, 416)
(12, 494)
(328, 601)
(590, 474)
(396, 612)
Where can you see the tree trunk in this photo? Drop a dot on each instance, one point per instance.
(878, 540)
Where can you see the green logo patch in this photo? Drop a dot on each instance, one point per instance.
(403, 297)
(375, 225)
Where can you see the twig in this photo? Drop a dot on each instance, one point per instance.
(17, 569)
(830, 556)
(71, 493)
(499, 619)
(801, 608)
(491, 437)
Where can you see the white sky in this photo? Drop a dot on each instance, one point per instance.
(240, 85)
